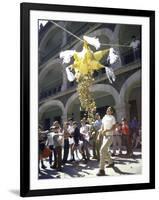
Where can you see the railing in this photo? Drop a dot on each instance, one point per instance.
(55, 90)
(130, 56)
(50, 92)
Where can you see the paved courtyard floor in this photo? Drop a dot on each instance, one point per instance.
(80, 168)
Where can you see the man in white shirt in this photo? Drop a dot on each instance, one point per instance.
(135, 44)
(108, 126)
(50, 143)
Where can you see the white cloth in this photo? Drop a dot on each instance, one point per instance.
(112, 57)
(70, 75)
(110, 74)
(93, 41)
(108, 121)
(82, 53)
(66, 55)
(135, 44)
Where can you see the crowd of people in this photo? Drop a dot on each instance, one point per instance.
(100, 140)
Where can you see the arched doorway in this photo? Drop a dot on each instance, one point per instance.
(104, 95)
(51, 79)
(50, 111)
(130, 96)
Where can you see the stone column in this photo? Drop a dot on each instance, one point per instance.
(121, 111)
(64, 81)
(64, 117)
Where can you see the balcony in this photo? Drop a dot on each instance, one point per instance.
(127, 58)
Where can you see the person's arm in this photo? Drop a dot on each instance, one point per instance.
(67, 133)
(138, 45)
(131, 44)
(100, 132)
(111, 129)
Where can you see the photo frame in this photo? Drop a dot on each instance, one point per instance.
(136, 69)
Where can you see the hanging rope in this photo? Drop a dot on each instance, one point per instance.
(116, 45)
(78, 38)
(67, 31)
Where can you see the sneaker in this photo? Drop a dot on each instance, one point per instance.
(101, 173)
(110, 165)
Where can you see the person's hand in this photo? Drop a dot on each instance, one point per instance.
(93, 133)
(99, 135)
(98, 138)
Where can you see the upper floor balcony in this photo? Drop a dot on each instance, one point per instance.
(129, 60)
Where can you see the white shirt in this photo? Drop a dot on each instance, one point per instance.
(135, 44)
(70, 129)
(50, 138)
(84, 130)
(108, 121)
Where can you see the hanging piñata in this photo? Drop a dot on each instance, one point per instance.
(82, 69)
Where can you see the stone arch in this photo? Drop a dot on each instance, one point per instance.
(106, 88)
(47, 68)
(45, 37)
(97, 87)
(136, 77)
(49, 33)
(125, 92)
(59, 73)
(103, 31)
(48, 104)
(69, 101)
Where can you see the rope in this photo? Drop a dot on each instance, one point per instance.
(67, 31)
(103, 44)
(115, 45)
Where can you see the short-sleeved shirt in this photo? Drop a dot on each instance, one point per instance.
(97, 124)
(50, 138)
(135, 44)
(57, 140)
(108, 121)
(84, 130)
(125, 129)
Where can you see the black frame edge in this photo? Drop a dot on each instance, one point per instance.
(152, 99)
(25, 102)
(86, 9)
